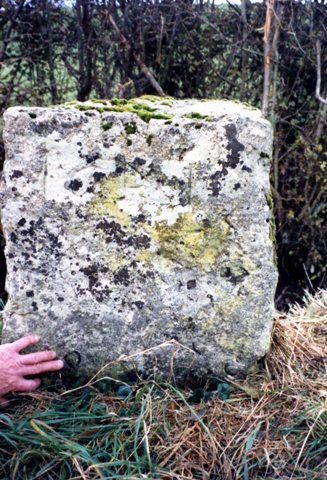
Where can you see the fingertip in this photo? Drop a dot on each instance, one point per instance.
(24, 342)
(30, 339)
(60, 364)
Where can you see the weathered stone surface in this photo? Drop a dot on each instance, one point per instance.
(129, 225)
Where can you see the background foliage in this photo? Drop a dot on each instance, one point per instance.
(53, 51)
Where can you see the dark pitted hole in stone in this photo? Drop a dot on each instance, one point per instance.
(92, 158)
(226, 273)
(139, 304)
(13, 237)
(190, 324)
(35, 307)
(60, 299)
(139, 161)
(73, 359)
(246, 169)
(140, 218)
(30, 293)
(75, 184)
(120, 170)
(98, 176)
(16, 174)
(32, 115)
(210, 298)
(21, 222)
(121, 276)
(237, 186)
(191, 284)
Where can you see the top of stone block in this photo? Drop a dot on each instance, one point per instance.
(149, 107)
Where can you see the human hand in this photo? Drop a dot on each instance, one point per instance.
(14, 366)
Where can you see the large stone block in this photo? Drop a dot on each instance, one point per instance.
(130, 224)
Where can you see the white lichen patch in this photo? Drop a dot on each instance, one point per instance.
(129, 223)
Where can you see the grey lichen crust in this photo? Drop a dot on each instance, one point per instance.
(131, 223)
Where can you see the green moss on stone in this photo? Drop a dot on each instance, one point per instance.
(107, 126)
(118, 101)
(130, 128)
(145, 115)
(155, 98)
(149, 139)
(143, 110)
(196, 116)
(143, 106)
(85, 108)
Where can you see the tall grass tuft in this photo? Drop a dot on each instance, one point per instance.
(272, 425)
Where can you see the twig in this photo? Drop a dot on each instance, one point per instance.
(137, 58)
(318, 85)
(124, 358)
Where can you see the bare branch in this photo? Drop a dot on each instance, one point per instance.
(267, 56)
(318, 85)
(139, 61)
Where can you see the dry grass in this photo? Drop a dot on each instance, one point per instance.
(273, 426)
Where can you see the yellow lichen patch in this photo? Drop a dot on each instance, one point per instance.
(239, 260)
(226, 303)
(116, 259)
(232, 343)
(208, 324)
(226, 342)
(225, 306)
(188, 242)
(144, 255)
(107, 201)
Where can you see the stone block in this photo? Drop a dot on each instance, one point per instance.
(132, 223)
